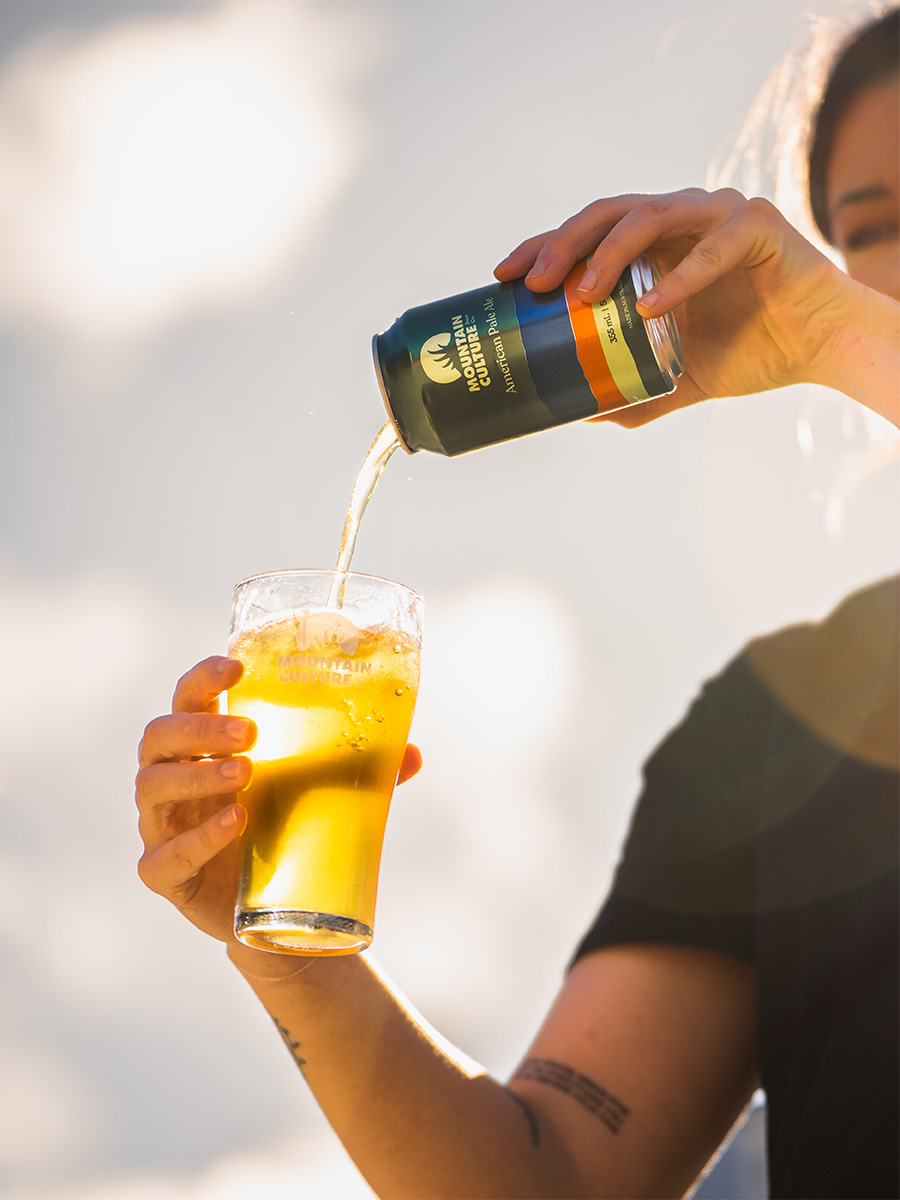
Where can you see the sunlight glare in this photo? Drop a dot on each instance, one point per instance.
(160, 167)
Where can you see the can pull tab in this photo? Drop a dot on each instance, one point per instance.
(325, 630)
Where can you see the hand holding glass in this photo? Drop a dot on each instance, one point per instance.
(330, 678)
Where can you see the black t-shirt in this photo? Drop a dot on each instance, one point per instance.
(768, 829)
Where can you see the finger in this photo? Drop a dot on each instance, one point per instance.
(747, 239)
(549, 257)
(198, 690)
(521, 260)
(411, 763)
(576, 238)
(165, 783)
(195, 735)
(653, 219)
(171, 869)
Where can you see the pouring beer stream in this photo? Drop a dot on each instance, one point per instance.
(369, 473)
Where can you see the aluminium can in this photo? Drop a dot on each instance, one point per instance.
(502, 361)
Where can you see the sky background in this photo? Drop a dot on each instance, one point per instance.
(207, 210)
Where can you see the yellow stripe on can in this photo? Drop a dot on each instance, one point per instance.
(621, 362)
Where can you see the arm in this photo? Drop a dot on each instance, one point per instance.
(861, 358)
(642, 1067)
(758, 305)
(417, 1116)
(665, 1034)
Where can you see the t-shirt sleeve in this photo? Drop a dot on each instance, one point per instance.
(687, 872)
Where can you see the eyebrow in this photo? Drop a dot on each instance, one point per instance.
(873, 191)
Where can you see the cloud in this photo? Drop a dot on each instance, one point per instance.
(162, 167)
(499, 692)
(308, 1164)
(500, 661)
(79, 642)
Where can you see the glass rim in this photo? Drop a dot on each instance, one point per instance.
(332, 571)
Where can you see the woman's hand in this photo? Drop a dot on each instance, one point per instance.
(191, 767)
(756, 303)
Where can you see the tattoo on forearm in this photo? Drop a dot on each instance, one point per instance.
(293, 1046)
(590, 1095)
(529, 1117)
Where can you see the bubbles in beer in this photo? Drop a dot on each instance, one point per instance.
(324, 767)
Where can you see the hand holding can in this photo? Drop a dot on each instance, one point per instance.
(758, 305)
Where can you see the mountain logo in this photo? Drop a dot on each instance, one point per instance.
(326, 630)
(436, 359)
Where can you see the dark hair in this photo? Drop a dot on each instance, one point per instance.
(871, 57)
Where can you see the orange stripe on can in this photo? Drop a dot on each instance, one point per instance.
(589, 347)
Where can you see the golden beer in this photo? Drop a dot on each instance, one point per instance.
(333, 704)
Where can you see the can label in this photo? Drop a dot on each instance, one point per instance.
(502, 361)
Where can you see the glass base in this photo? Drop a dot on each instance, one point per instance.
(289, 931)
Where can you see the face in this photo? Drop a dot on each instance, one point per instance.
(863, 187)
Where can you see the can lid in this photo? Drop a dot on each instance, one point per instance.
(662, 332)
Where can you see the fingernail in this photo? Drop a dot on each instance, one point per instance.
(223, 665)
(229, 817)
(230, 768)
(538, 269)
(236, 730)
(649, 300)
(589, 281)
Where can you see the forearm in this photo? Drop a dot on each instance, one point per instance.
(418, 1118)
(861, 355)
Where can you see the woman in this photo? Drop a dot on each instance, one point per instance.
(767, 830)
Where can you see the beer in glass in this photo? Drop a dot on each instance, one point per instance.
(331, 668)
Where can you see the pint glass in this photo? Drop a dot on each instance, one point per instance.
(331, 668)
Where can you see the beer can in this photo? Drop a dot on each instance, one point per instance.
(502, 361)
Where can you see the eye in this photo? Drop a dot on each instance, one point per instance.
(871, 234)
